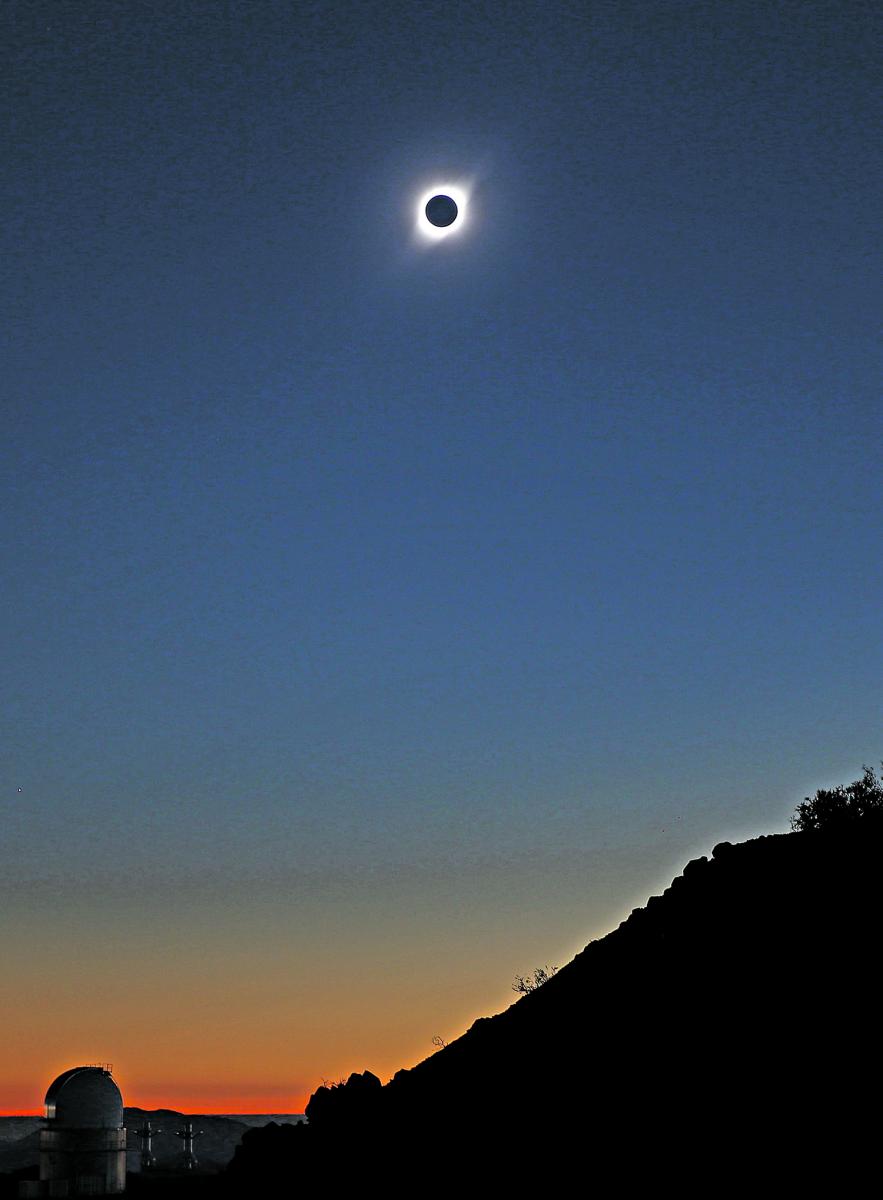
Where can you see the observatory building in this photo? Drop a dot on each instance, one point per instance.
(83, 1146)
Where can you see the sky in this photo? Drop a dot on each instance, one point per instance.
(385, 617)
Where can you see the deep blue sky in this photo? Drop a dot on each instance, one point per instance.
(521, 565)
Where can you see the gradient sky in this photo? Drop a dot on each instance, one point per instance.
(383, 619)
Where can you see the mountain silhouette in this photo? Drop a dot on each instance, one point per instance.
(725, 1035)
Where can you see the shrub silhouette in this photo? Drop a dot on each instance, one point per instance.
(529, 983)
(831, 808)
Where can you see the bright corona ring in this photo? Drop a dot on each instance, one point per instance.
(441, 211)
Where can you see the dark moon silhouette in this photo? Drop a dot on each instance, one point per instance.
(441, 211)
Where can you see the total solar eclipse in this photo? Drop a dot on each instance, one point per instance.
(441, 211)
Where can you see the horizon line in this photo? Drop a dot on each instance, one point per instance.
(196, 1112)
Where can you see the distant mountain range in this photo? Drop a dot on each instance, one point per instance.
(725, 1034)
(20, 1136)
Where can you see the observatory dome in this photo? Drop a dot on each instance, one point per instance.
(85, 1098)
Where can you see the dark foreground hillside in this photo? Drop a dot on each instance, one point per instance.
(726, 1035)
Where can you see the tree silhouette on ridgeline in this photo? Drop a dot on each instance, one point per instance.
(830, 808)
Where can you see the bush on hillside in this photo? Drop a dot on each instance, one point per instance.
(524, 984)
(834, 807)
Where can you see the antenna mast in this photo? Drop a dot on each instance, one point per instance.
(188, 1134)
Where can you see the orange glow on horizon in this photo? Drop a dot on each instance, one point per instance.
(178, 1097)
(246, 1095)
(184, 1102)
(234, 1102)
(269, 1007)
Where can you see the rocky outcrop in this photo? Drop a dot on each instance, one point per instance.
(345, 1105)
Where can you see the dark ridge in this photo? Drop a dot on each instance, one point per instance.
(727, 1030)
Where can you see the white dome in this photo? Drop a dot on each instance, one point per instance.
(85, 1098)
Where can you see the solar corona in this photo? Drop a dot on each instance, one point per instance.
(441, 211)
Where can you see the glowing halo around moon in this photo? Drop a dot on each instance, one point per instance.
(435, 233)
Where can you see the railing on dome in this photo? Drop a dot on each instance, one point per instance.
(108, 1067)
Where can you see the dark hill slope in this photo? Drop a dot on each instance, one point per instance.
(733, 1020)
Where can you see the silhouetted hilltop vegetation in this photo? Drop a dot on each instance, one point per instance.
(729, 1027)
(832, 808)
